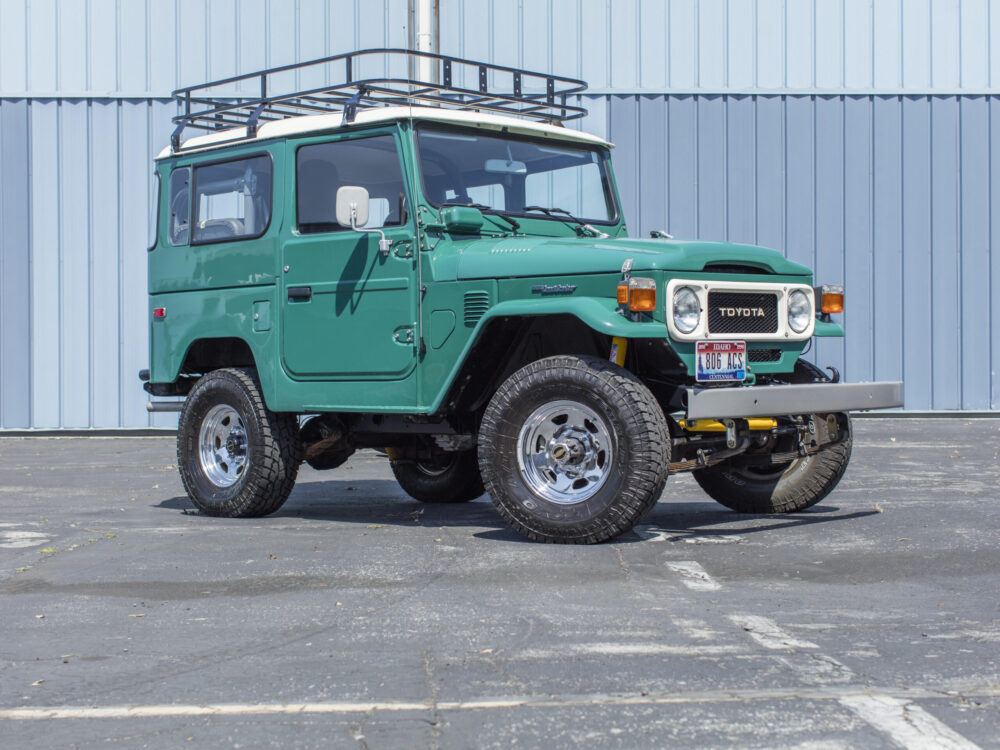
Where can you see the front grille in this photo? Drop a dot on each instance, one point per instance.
(742, 312)
(764, 355)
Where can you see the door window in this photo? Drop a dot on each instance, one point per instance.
(371, 163)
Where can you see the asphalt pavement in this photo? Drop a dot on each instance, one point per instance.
(356, 617)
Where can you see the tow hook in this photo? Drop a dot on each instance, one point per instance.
(730, 432)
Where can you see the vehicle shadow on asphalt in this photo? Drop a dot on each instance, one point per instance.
(708, 523)
(372, 502)
(381, 502)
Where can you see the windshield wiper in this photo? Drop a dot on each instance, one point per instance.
(489, 211)
(587, 229)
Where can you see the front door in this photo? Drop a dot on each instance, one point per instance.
(349, 312)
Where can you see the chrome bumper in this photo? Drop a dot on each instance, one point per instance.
(779, 400)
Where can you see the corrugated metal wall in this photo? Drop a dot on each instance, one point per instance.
(891, 196)
(714, 46)
(853, 135)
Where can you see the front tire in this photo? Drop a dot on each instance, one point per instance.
(237, 459)
(449, 478)
(786, 488)
(573, 449)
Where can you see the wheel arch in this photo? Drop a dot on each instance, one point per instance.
(517, 332)
(207, 353)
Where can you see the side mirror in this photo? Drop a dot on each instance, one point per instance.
(352, 211)
(352, 206)
(462, 219)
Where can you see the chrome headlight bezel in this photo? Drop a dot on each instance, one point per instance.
(687, 309)
(799, 311)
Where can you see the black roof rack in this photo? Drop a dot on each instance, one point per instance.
(343, 83)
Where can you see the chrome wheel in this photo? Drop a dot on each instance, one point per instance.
(222, 446)
(565, 452)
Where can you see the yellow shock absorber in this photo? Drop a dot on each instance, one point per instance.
(755, 424)
(619, 345)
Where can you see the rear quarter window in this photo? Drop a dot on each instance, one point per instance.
(232, 200)
(179, 229)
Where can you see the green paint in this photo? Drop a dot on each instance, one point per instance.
(353, 342)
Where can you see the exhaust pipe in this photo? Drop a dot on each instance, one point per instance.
(162, 406)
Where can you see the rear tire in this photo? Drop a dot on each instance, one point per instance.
(237, 459)
(792, 487)
(452, 478)
(573, 449)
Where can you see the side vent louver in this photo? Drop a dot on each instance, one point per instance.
(476, 305)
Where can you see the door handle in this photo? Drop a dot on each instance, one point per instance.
(300, 293)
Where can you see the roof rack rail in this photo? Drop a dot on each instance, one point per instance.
(342, 85)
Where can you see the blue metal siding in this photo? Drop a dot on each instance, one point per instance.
(888, 195)
(854, 135)
(74, 201)
(15, 267)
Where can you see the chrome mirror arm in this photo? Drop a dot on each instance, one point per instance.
(384, 243)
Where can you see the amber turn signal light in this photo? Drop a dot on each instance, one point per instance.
(638, 294)
(623, 293)
(830, 298)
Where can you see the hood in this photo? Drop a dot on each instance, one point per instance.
(554, 256)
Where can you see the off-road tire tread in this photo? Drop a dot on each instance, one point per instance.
(647, 434)
(277, 454)
(826, 468)
(460, 484)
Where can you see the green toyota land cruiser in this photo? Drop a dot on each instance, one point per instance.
(433, 265)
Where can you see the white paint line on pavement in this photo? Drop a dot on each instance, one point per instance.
(623, 649)
(768, 634)
(694, 576)
(22, 539)
(907, 723)
(855, 694)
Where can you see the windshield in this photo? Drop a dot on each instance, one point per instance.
(509, 173)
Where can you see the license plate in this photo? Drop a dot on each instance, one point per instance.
(721, 361)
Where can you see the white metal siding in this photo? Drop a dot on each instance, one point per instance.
(738, 46)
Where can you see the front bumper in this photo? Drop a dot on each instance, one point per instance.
(781, 400)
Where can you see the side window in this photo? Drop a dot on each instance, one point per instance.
(232, 200)
(371, 163)
(180, 206)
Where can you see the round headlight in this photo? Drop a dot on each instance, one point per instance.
(687, 311)
(799, 311)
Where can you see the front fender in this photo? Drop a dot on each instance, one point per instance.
(598, 313)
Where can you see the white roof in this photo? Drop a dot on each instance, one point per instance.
(314, 123)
